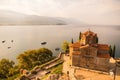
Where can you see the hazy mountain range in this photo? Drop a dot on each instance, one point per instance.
(15, 18)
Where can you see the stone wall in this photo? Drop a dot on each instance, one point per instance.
(86, 59)
(89, 59)
(102, 64)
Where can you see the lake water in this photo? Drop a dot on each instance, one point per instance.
(30, 37)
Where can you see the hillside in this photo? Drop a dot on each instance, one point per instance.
(15, 18)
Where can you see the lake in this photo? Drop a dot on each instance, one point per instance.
(31, 37)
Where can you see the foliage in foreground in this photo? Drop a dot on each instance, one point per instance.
(13, 77)
(6, 67)
(26, 60)
(31, 58)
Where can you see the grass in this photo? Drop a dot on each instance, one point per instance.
(44, 64)
(44, 77)
(54, 70)
(57, 69)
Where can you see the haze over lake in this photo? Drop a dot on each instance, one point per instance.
(31, 37)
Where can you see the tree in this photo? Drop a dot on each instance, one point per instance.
(24, 61)
(96, 39)
(113, 52)
(72, 41)
(31, 58)
(5, 67)
(65, 46)
(110, 50)
(80, 35)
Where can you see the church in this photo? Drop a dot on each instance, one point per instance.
(88, 53)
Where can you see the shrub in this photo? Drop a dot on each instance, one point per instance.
(33, 72)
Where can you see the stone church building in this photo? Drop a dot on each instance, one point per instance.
(88, 53)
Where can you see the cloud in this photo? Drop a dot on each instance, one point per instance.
(94, 11)
(90, 11)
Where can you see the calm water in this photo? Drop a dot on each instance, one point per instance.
(30, 37)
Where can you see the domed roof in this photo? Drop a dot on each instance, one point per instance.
(89, 33)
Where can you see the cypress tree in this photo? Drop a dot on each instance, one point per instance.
(80, 34)
(113, 52)
(96, 39)
(110, 50)
(72, 41)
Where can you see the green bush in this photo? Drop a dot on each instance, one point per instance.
(24, 78)
(31, 58)
(13, 77)
(33, 72)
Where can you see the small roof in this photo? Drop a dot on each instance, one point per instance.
(103, 55)
(76, 44)
(89, 33)
(85, 46)
(103, 50)
(103, 47)
(76, 53)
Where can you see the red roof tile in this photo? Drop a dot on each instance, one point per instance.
(89, 33)
(103, 55)
(103, 51)
(103, 47)
(77, 44)
(76, 53)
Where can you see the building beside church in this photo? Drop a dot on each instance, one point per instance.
(88, 53)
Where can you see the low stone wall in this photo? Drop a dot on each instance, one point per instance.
(91, 70)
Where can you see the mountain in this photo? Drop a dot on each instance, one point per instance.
(15, 18)
(72, 21)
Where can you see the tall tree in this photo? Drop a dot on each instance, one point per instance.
(114, 48)
(80, 35)
(65, 46)
(72, 41)
(110, 50)
(96, 39)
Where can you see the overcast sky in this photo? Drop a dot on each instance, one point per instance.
(88, 11)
